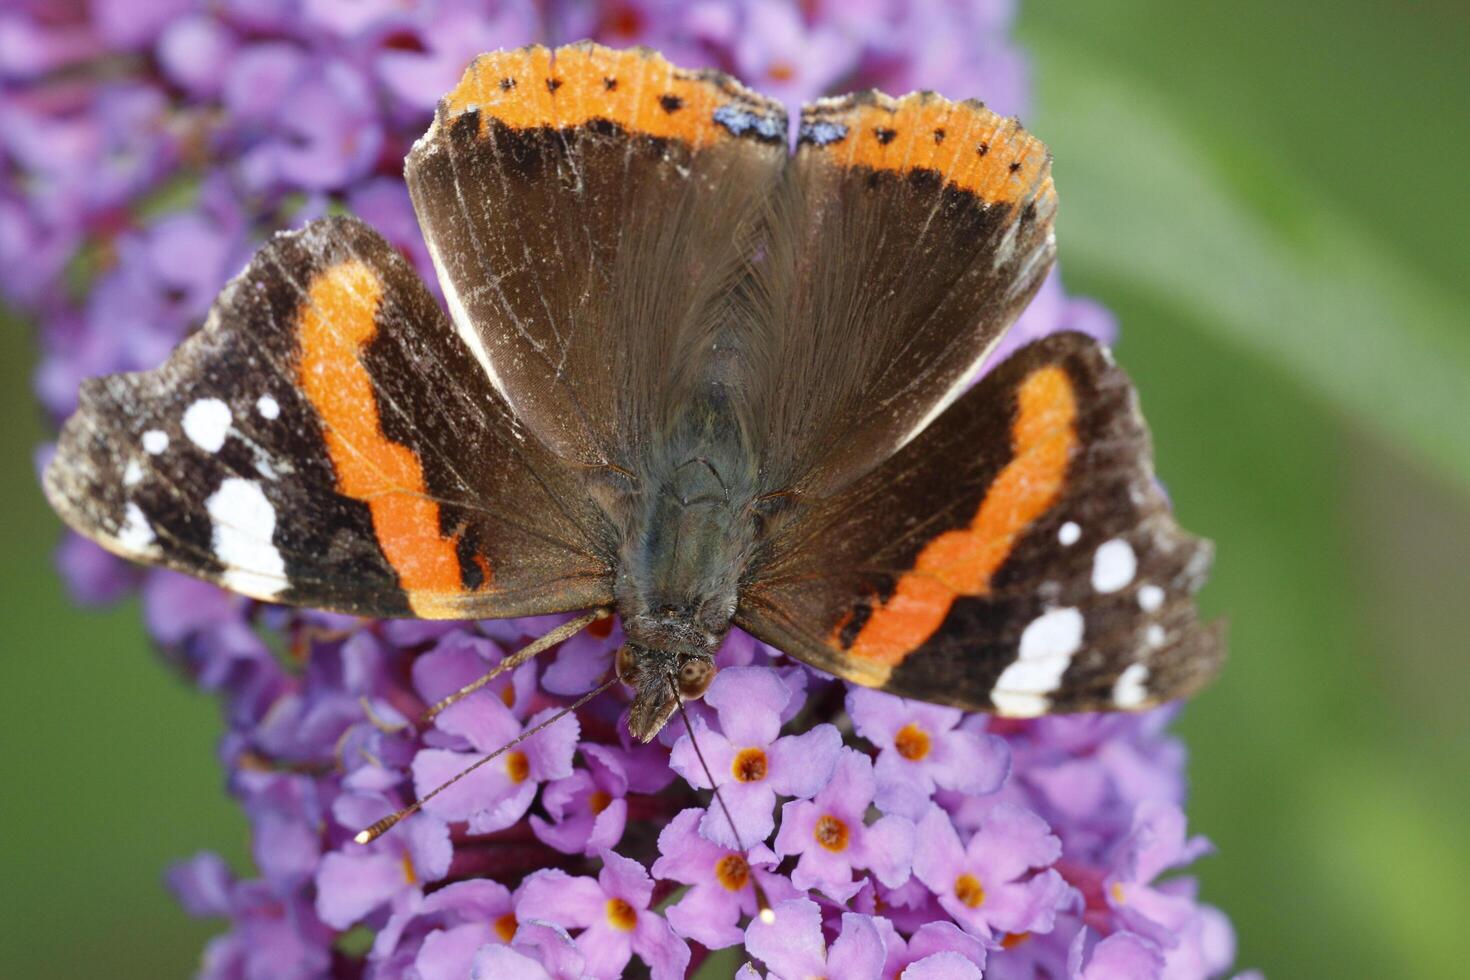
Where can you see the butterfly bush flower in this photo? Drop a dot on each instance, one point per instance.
(722, 882)
(614, 915)
(146, 150)
(760, 764)
(794, 945)
(920, 749)
(832, 839)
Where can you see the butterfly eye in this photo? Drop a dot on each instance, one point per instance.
(628, 669)
(695, 677)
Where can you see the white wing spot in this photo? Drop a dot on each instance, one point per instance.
(244, 522)
(268, 407)
(132, 473)
(1128, 689)
(1070, 533)
(1150, 598)
(1113, 565)
(136, 535)
(207, 423)
(1154, 635)
(155, 441)
(1047, 645)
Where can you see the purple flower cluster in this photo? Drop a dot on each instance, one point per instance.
(145, 149)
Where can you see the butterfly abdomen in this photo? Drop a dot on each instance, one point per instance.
(689, 534)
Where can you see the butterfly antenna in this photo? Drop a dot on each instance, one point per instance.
(370, 834)
(762, 904)
(551, 639)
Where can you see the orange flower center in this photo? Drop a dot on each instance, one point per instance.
(1013, 939)
(732, 872)
(781, 71)
(749, 765)
(831, 833)
(967, 889)
(508, 696)
(517, 766)
(1117, 892)
(598, 801)
(621, 916)
(409, 874)
(505, 927)
(912, 742)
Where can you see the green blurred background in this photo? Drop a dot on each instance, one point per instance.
(1272, 199)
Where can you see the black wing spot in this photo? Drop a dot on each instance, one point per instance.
(506, 84)
(983, 148)
(552, 84)
(884, 135)
(610, 83)
(1015, 166)
(670, 103)
(939, 135)
(1029, 212)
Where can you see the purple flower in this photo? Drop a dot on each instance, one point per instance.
(587, 809)
(748, 758)
(538, 951)
(829, 833)
(194, 52)
(132, 187)
(919, 749)
(1156, 844)
(428, 55)
(356, 881)
(1121, 956)
(613, 913)
(721, 889)
(271, 936)
(937, 950)
(439, 935)
(779, 52)
(988, 885)
(793, 948)
(497, 794)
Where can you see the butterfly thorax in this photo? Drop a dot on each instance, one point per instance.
(687, 536)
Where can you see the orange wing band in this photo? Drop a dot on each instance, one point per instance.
(973, 148)
(336, 323)
(638, 89)
(961, 562)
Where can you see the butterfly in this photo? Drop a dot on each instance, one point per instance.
(687, 375)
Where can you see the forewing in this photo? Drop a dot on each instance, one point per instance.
(327, 439)
(589, 211)
(907, 235)
(1017, 557)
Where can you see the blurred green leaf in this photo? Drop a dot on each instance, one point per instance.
(1294, 281)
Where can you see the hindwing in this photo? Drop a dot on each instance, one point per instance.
(1017, 557)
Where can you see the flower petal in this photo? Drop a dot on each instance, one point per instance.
(348, 888)
(857, 952)
(449, 954)
(654, 941)
(625, 878)
(557, 897)
(791, 945)
(800, 765)
(749, 702)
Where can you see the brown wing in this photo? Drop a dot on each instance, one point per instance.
(906, 236)
(328, 440)
(1016, 557)
(589, 211)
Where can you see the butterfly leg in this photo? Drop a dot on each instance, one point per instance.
(544, 642)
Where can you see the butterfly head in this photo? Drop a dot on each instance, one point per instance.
(655, 675)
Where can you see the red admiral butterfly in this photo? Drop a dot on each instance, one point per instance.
(686, 376)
